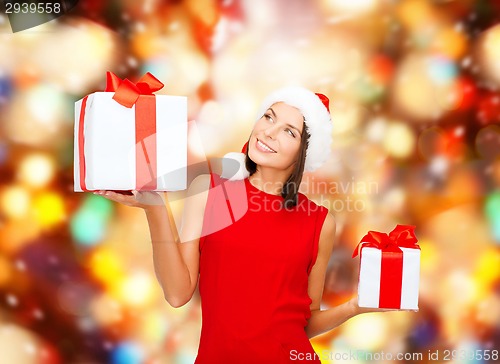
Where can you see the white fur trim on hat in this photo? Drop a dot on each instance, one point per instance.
(317, 118)
(233, 166)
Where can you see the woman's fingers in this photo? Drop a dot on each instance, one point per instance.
(358, 309)
(117, 197)
(141, 199)
(148, 198)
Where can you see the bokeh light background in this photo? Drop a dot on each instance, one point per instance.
(415, 98)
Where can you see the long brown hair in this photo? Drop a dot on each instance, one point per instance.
(291, 187)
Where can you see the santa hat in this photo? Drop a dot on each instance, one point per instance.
(315, 109)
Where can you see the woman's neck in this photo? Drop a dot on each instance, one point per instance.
(269, 181)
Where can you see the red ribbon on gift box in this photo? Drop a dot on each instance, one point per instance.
(129, 94)
(391, 275)
(126, 92)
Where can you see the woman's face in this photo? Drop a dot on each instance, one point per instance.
(275, 139)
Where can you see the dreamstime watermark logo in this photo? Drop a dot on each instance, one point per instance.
(26, 14)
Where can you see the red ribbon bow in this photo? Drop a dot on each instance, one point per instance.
(401, 236)
(127, 92)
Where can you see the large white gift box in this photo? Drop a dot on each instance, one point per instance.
(127, 138)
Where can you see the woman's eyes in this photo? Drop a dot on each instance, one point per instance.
(268, 117)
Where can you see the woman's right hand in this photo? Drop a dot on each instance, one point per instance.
(142, 199)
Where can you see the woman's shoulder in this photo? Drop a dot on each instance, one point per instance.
(201, 181)
(207, 180)
(216, 183)
(311, 204)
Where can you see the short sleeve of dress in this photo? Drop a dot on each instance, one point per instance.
(318, 225)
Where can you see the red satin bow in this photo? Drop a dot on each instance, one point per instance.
(127, 92)
(401, 236)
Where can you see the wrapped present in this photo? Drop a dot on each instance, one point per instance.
(389, 269)
(127, 138)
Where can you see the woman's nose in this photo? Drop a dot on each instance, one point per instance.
(271, 131)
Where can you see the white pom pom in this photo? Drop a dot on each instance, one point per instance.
(233, 166)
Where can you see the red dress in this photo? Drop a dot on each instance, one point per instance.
(255, 259)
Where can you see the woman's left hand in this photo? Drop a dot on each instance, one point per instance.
(358, 310)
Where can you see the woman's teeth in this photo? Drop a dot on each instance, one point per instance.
(263, 146)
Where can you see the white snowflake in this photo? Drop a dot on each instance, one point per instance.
(20, 265)
(53, 260)
(147, 7)
(466, 62)
(38, 314)
(86, 324)
(132, 61)
(174, 26)
(107, 345)
(12, 300)
(459, 131)
(439, 166)
(30, 348)
(140, 27)
(459, 27)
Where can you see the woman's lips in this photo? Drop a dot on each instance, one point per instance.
(264, 148)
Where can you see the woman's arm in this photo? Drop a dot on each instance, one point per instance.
(322, 321)
(176, 259)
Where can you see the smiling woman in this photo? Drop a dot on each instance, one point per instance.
(281, 139)
(295, 124)
(256, 247)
